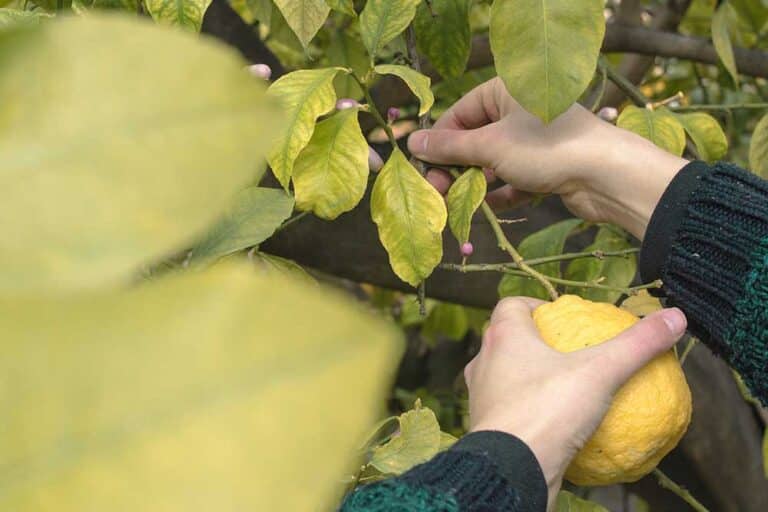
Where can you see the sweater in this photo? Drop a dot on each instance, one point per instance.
(707, 240)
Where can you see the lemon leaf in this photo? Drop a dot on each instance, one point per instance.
(193, 389)
(546, 242)
(721, 38)
(410, 215)
(417, 441)
(546, 51)
(15, 18)
(383, 20)
(464, 198)
(187, 14)
(305, 95)
(446, 441)
(615, 271)
(92, 186)
(305, 17)
(659, 126)
(443, 35)
(758, 149)
(331, 174)
(569, 502)
(642, 304)
(275, 264)
(418, 83)
(343, 6)
(253, 10)
(254, 215)
(346, 50)
(706, 133)
(446, 319)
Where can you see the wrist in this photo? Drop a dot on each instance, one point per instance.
(628, 177)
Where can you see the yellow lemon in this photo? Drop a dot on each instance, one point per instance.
(649, 414)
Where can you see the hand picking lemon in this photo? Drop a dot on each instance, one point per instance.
(648, 415)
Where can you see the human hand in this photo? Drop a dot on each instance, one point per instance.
(603, 173)
(555, 401)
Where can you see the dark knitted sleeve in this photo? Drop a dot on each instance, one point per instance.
(708, 242)
(482, 472)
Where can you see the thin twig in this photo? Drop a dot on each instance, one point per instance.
(374, 111)
(682, 492)
(632, 290)
(721, 106)
(603, 86)
(634, 94)
(688, 347)
(501, 267)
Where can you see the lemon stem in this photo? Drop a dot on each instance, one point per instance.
(681, 491)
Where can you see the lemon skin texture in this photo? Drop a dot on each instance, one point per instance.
(647, 416)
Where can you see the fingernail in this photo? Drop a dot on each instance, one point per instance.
(417, 142)
(675, 320)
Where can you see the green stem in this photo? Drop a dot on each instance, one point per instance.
(721, 106)
(501, 267)
(683, 493)
(506, 245)
(634, 94)
(374, 111)
(688, 347)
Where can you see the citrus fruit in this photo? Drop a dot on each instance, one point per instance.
(648, 415)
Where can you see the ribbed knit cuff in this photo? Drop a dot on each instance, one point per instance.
(492, 469)
(704, 241)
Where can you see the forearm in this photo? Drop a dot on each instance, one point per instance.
(483, 471)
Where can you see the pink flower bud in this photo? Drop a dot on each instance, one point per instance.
(467, 249)
(393, 114)
(608, 114)
(374, 160)
(260, 71)
(345, 103)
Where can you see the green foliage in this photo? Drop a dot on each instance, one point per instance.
(443, 35)
(614, 271)
(758, 151)
(418, 83)
(546, 50)
(410, 215)
(418, 440)
(569, 502)
(187, 14)
(546, 242)
(383, 20)
(722, 23)
(331, 173)
(271, 264)
(343, 6)
(346, 50)
(464, 198)
(186, 402)
(448, 320)
(82, 206)
(305, 17)
(706, 133)
(16, 18)
(254, 215)
(304, 95)
(253, 10)
(657, 125)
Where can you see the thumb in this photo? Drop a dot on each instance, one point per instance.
(459, 147)
(619, 358)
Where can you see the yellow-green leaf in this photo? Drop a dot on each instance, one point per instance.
(464, 198)
(546, 50)
(443, 35)
(721, 37)
(254, 215)
(94, 185)
(616, 271)
(253, 10)
(546, 242)
(446, 319)
(569, 502)
(305, 17)
(345, 6)
(659, 126)
(418, 83)
(706, 133)
(331, 174)
(16, 18)
(642, 304)
(446, 441)
(383, 20)
(305, 95)
(758, 149)
(417, 441)
(187, 14)
(189, 393)
(410, 215)
(269, 263)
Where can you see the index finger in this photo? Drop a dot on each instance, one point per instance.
(475, 109)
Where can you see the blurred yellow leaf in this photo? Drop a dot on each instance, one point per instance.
(189, 393)
(418, 440)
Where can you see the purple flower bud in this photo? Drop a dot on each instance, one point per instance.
(393, 114)
(467, 249)
(260, 71)
(608, 114)
(345, 103)
(374, 160)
